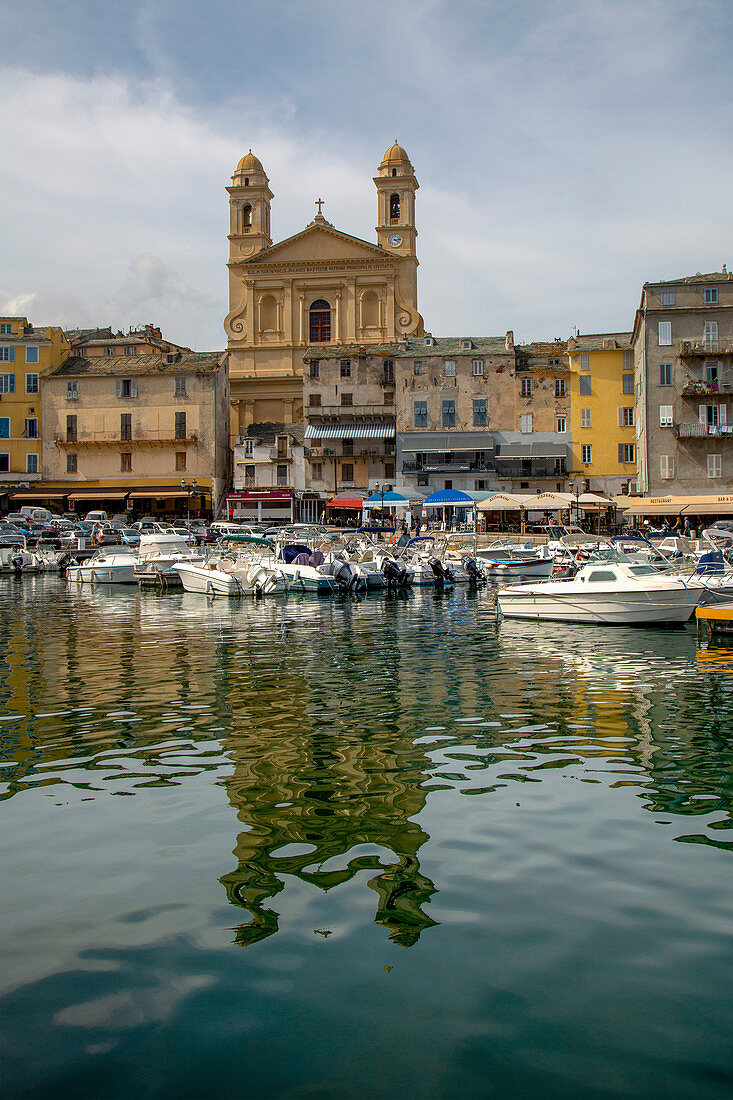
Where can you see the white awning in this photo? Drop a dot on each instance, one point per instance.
(350, 431)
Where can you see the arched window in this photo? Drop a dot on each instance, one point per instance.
(394, 208)
(246, 217)
(369, 310)
(246, 181)
(320, 322)
(394, 171)
(268, 314)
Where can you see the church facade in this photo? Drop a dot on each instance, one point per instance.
(319, 287)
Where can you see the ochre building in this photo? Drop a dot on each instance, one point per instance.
(27, 354)
(318, 287)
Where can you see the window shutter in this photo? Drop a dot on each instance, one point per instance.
(722, 415)
(118, 387)
(620, 452)
(620, 414)
(133, 388)
(702, 414)
(11, 358)
(11, 386)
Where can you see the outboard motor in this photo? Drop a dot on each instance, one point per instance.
(475, 575)
(395, 573)
(346, 576)
(17, 562)
(441, 573)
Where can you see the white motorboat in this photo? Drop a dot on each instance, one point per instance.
(232, 573)
(610, 591)
(158, 553)
(109, 565)
(526, 561)
(713, 571)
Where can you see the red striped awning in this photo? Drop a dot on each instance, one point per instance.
(347, 500)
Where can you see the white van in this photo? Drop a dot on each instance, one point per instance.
(95, 517)
(38, 515)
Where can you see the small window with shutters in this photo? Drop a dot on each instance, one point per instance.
(126, 387)
(625, 417)
(666, 467)
(180, 425)
(715, 465)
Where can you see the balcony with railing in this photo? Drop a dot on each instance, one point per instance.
(341, 412)
(695, 429)
(365, 452)
(255, 483)
(106, 439)
(705, 347)
(706, 389)
(446, 466)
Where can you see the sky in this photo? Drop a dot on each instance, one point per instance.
(567, 151)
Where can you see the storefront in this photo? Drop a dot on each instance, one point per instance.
(704, 508)
(345, 509)
(261, 505)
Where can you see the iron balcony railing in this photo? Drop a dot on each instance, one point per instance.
(706, 347)
(697, 430)
(384, 412)
(705, 389)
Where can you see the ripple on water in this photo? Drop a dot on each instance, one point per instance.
(419, 833)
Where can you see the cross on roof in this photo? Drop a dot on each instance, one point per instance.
(319, 204)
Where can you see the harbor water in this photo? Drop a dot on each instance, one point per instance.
(318, 849)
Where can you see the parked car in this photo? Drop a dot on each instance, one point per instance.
(96, 517)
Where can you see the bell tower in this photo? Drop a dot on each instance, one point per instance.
(396, 233)
(249, 209)
(396, 186)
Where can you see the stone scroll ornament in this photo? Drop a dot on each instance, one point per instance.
(235, 323)
(409, 319)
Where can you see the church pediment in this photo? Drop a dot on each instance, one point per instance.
(319, 243)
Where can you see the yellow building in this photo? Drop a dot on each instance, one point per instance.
(147, 433)
(320, 286)
(603, 411)
(26, 355)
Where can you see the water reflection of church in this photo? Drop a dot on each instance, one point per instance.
(314, 769)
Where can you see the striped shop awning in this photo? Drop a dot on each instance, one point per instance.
(350, 431)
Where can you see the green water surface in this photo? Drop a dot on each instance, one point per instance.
(325, 848)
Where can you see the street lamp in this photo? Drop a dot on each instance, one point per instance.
(577, 502)
(188, 489)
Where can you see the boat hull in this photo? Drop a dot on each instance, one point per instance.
(217, 582)
(101, 574)
(627, 609)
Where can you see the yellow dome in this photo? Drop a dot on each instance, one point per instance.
(250, 163)
(395, 155)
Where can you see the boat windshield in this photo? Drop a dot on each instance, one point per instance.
(642, 570)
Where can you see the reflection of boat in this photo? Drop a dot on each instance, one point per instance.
(114, 565)
(605, 592)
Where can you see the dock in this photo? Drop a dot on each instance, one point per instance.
(717, 619)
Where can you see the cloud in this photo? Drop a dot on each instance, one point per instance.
(566, 151)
